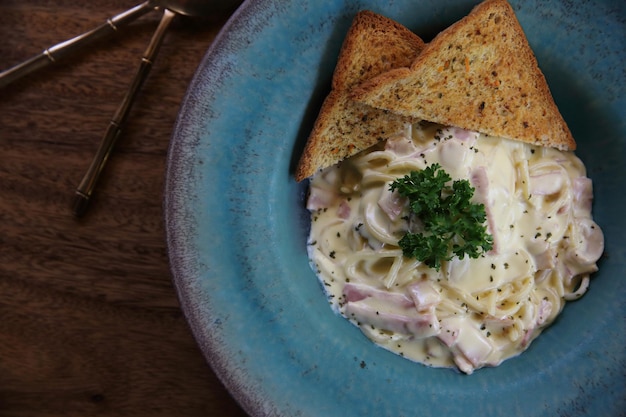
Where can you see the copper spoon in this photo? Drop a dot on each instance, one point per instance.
(55, 53)
(196, 8)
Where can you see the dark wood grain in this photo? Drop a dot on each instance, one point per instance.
(89, 319)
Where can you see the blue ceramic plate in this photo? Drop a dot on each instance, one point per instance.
(236, 225)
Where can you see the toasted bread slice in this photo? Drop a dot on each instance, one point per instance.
(478, 74)
(374, 45)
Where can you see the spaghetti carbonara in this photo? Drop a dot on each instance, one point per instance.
(471, 312)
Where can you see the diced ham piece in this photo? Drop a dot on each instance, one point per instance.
(528, 337)
(392, 203)
(456, 147)
(461, 134)
(404, 322)
(480, 182)
(545, 309)
(449, 332)
(453, 153)
(401, 145)
(388, 311)
(424, 295)
(343, 211)
(356, 292)
(474, 346)
(466, 343)
(320, 198)
(463, 364)
(404, 146)
(547, 184)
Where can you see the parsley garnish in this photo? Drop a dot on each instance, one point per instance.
(452, 224)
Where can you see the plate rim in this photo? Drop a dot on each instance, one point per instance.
(174, 211)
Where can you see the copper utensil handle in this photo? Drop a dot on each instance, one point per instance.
(60, 50)
(85, 189)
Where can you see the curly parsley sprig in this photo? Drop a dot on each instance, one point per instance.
(453, 225)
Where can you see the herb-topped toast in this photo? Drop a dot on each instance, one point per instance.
(479, 74)
(374, 45)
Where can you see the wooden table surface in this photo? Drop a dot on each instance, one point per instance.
(89, 319)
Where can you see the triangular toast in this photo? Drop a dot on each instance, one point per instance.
(374, 45)
(479, 74)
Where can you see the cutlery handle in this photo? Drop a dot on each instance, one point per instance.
(60, 50)
(85, 189)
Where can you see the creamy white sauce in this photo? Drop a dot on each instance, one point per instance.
(472, 312)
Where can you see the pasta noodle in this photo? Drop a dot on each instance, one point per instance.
(472, 312)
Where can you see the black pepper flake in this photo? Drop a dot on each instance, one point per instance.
(332, 254)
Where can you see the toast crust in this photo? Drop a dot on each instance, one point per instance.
(373, 45)
(478, 74)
